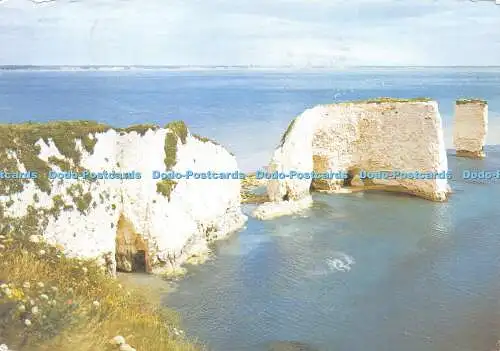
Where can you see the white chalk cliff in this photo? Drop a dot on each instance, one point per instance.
(377, 135)
(470, 128)
(165, 221)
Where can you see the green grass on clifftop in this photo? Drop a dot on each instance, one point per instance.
(205, 139)
(471, 101)
(21, 139)
(381, 100)
(140, 129)
(52, 302)
(18, 141)
(208, 140)
(177, 130)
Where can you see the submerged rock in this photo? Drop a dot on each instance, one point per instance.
(249, 186)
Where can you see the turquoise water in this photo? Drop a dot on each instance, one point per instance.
(357, 271)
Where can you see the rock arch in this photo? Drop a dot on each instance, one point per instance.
(380, 135)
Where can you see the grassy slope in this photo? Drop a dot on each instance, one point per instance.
(88, 308)
(79, 307)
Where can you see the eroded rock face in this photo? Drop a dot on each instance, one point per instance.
(162, 222)
(132, 250)
(470, 128)
(380, 135)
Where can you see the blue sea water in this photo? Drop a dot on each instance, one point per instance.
(245, 110)
(358, 271)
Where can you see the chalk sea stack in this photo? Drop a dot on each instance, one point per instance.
(470, 127)
(382, 134)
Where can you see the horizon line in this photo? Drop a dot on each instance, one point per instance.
(55, 66)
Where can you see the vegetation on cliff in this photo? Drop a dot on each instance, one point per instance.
(52, 302)
(208, 140)
(287, 131)
(205, 139)
(19, 151)
(165, 187)
(18, 145)
(140, 129)
(177, 130)
(36, 218)
(471, 101)
(80, 198)
(381, 100)
(19, 142)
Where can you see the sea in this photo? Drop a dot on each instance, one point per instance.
(377, 271)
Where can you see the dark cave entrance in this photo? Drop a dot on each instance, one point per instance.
(132, 254)
(139, 262)
(350, 177)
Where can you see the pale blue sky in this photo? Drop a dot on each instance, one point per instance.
(243, 32)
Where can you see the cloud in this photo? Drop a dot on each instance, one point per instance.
(260, 32)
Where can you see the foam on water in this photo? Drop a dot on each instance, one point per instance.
(337, 262)
(340, 262)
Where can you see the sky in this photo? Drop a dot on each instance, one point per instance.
(250, 32)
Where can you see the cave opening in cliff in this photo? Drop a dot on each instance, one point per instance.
(350, 177)
(139, 262)
(131, 248)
